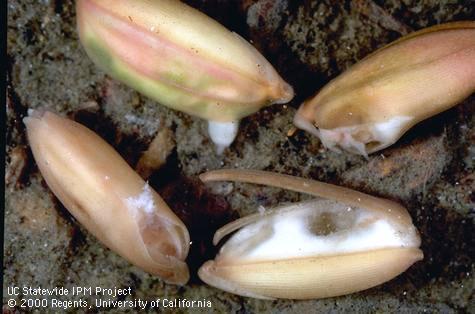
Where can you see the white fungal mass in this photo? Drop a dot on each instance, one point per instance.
(143, 201)
(317, 228)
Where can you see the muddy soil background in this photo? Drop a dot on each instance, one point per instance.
(430, 170)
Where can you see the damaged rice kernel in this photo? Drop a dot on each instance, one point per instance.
(371, 105)
(342, 243)
(107, 197)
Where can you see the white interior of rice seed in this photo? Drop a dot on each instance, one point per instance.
(222, 134)
(378, 135)
(317, 228)
(388, 130)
